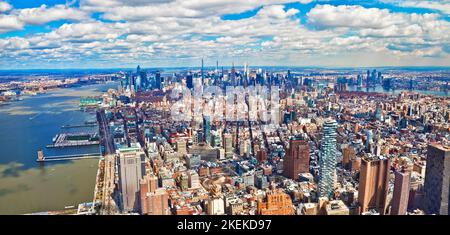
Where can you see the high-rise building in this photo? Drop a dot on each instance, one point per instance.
(228, 144)
(297, 158)
(368, 78)
(261, 155)
(233, 75)
(399, 204)
(327, 159)
(181, 146)
(131, 168)
(149, 183)
(183, 181)
(189, 81)
(207, 129)
(159, 80)
(154, 200)
(374, 184)
(437, 180)
(369, 139)
(202, 74)
(360, 80)
(194, 181)
(348, 154)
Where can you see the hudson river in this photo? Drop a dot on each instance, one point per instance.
(27, 125)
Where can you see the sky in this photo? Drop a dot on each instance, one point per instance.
(174, 33)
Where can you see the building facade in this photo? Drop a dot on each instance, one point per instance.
(131, 168)
(437, 180)
(374, 184)
(327, 159)
(297, 158)
(399, 205)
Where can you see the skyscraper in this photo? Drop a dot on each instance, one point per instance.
(297, 158)
(437, 180)
(348, 154)
(203, 76)
(401, 192)
(154, 200)
(189, 81)
(369, 139)
(159, 80)
(327, 159)
(130, 167)
(207, 129)
(368, 78)
(233, 75)
(374, 184)
(228, 144)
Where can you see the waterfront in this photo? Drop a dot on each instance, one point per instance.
(27, 186)
(380, 89)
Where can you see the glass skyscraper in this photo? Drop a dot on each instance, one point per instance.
(207, 129)
(327, 161)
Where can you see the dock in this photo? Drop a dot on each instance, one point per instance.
(75, 144)
(41, 158)
(78, 126)
(73, 140)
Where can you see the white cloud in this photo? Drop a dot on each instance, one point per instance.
(4, 7)
(353, 16)
(378, 22)
(175, 32)
(16, 19)
(145, 10)
(438, 5)
(277, 11)
(9, 23)
(45, 14)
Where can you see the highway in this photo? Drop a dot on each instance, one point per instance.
(108, 205)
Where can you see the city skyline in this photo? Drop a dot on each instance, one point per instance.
(116, 33)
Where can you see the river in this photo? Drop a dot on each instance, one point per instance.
(27, 125)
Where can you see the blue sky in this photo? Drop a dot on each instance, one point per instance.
(160, 33)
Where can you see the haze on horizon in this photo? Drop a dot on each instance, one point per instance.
(178, 33)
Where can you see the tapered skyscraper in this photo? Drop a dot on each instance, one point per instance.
(327, 161)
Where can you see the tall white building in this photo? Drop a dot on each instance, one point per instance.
(131, 169)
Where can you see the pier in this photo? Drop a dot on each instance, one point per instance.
(73, 140)
(75, 144)
(42, 158)
(78, 126)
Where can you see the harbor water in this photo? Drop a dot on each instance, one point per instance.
(27, 186)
